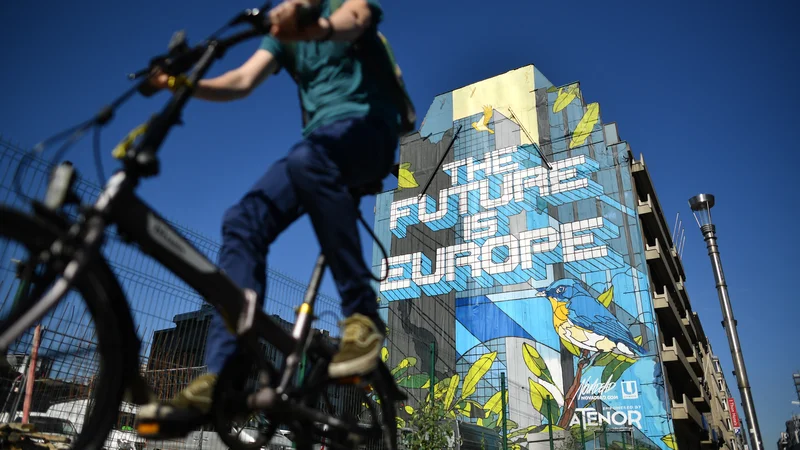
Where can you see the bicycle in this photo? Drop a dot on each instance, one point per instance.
(65, 256)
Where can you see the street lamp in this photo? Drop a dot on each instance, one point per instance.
(701, 208)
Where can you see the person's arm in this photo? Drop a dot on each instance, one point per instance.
(234, 84)
(347, 23)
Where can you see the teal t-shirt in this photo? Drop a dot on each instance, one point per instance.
(332, 82)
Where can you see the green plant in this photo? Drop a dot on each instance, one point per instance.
(431, 429)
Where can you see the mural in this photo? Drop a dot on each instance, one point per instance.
(540, 274)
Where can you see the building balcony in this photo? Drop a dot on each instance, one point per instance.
(651, 213)
(658, 265)
(669, 321)
(682, 375)
(684, 410)
(654, 226)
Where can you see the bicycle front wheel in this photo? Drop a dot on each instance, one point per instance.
(74, 390)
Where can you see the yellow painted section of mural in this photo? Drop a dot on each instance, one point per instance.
(513, 89)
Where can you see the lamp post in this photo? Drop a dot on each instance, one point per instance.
(701, 208)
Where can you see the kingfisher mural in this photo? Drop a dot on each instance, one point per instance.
(523, 258)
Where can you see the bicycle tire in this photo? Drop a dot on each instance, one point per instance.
(35, 234)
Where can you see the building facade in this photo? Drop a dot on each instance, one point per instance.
(525, 242)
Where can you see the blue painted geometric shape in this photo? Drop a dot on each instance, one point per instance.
(439, 118)
(485, 320)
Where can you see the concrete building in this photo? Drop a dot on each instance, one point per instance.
(723, 420)
(538, 250)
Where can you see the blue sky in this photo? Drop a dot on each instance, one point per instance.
(703, 89)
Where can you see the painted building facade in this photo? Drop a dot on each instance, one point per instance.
(524, 257)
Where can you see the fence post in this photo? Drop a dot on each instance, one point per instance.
(550, 423)
(583, 431)
(505, 412)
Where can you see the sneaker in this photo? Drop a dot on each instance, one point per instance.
(359, 349)
(177, 417)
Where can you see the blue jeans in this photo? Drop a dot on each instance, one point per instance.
(313, 178)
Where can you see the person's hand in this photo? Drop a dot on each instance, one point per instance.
(159, 79)
(284, 18)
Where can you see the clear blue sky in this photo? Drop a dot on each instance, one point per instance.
(705, 90)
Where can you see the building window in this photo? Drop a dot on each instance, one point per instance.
(730, 425)
(717, 366)
(721, 385)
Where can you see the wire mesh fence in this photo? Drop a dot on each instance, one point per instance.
(171, 320)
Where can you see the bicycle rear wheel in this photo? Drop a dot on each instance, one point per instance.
(78, 380)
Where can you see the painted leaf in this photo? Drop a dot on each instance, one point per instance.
(586, 125)
(480, 422)
(416, 381)
(638, 339)
(405, 177)
(494, 404)
(565, 97)
(476, 372)
(614, 370)
(535, 362)
(541, 399)
(404, 365)
(384, 354)
(400, 422)
(409, 409)
(510, 424)
(552, 89)
(572, 348)
(516, 447)
(606, 297)
(669, 441)
(451, 392)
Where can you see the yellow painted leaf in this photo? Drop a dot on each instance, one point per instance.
(541, 399)
(476, 372)
(586, 125)
(400, 422)
(530, 354)
(510, 424)
(451, 392)
(384, 354)
(638, 339)
(516, 447)
(565, 97)
(494, 404)
(409, 409)
(480, 422)
(405, 177)
(669, 441)
(572, 348)
(606, 297)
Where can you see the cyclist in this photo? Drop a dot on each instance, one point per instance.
(350, 136)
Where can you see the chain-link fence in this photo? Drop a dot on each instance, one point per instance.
(171, 319)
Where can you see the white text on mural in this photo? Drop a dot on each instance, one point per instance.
(484, 194)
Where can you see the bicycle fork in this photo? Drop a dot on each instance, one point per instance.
(302, 328)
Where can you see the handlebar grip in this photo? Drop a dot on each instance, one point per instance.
(147, 89)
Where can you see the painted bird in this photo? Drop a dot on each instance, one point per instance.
(487, 116)
(584, 322)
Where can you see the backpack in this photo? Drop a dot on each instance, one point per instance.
(375, 53)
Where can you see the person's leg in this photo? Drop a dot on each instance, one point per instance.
(322, 169)
(248, 228)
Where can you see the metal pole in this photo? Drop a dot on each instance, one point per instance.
(729, 323)
(605, 436)
(583, 431)
(503, 405)
(550, 423)
(433, 369)
(26, 405)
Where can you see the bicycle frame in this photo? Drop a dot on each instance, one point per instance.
(138, 223)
